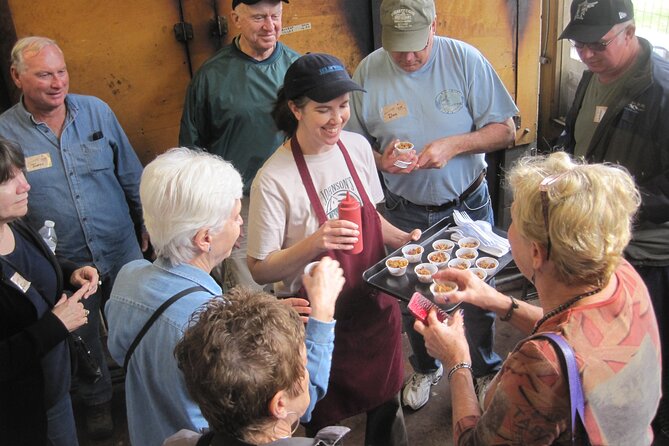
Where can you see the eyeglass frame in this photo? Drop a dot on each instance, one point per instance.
(545, 184)
(597, 47)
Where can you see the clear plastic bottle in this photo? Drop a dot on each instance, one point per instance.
(48, 233)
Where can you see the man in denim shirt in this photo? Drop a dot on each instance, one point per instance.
(85, 177)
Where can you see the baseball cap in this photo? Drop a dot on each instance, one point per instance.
(250, 2)
(405, 24)
(320, 77)
(592, 19)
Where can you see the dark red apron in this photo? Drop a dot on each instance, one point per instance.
(367, 365)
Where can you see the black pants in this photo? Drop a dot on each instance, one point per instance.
(384, 427)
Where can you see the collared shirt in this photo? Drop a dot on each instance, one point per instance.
(87, 181)
(157, 401)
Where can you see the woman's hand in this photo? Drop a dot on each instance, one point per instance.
(323, 286)
(86, 277)
(71, 311)
(336, 234)
(300, 305)
(445, 341)
(471, 289)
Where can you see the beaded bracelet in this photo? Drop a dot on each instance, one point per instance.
(458, 366)
(508, 314)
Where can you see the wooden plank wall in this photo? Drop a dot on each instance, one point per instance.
(125, 51)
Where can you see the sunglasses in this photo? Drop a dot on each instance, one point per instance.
(597, 47)
(545, 185)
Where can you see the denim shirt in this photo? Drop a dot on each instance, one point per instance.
(157, 400)
(87, 182)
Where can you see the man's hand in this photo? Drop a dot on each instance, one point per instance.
(437, 154)
(386, 160)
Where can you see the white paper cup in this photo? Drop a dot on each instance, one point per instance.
(439, 258)
(424, 272)
(309, 267)
(467, 253)
(479, 272)
(413, 253)
(459, 263)
(488, 264)
(397, 270)
(403, 147)
(469, 242)
(442, 289)
(443, 245)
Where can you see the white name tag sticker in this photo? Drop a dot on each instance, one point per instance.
(18, 280)
(38, 162)
(395, 111)
(600, 111)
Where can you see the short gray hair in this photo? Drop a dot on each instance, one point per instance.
(33, 44)
(182, 191)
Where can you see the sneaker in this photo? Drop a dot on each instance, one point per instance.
(416, 391)
(99, 422)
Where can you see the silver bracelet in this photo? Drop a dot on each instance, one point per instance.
(459, 365)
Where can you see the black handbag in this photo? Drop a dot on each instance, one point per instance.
(84, 366)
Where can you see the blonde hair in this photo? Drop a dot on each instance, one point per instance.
(32, 44)
(590, 212)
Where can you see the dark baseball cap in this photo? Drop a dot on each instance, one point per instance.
(592, 19)
(250, 2)
(320, 77)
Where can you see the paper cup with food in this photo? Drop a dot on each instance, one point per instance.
(308, 270)
(488, 264)
(442, 289)
(461, 264)
(443, 245)
(469, 242)
(479, 272)
(413, 253)
(424, 272)
(467, 253)
(439, 258)
(403, 148)
(397, 266)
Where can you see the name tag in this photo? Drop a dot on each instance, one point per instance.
(600, 110)
(395, 111)
(37, 162)
(18, 280)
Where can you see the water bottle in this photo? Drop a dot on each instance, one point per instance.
(349, 209)
(48, 233)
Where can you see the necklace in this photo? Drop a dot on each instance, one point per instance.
(562, 307)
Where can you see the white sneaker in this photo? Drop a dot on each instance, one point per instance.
(416, 391)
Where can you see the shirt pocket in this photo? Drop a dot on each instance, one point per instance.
(99, 155)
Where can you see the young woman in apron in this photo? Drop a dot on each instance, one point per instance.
(293, 220)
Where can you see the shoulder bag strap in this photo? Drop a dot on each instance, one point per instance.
(153, 318)
(576, 398)
(205, 439)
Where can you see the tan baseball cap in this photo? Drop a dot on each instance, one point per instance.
(405, 24)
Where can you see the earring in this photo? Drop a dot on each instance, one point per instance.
(209, 248)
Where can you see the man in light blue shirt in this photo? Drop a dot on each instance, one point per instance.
(443, 96)
(85, 177)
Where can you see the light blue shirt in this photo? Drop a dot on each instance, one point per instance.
(87, 182)
(457, 91)
(157, 401)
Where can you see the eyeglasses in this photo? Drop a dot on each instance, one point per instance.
(597, 47)
(546, 183)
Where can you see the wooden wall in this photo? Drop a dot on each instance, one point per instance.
(125, 51)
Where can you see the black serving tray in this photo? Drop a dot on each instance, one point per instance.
(404, 286)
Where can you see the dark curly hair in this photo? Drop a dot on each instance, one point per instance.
(237, 353)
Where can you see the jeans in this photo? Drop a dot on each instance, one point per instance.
(61, 430)
(479, 323)
(100, 392)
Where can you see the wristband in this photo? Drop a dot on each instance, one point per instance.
(458, 366)
(509, 313)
